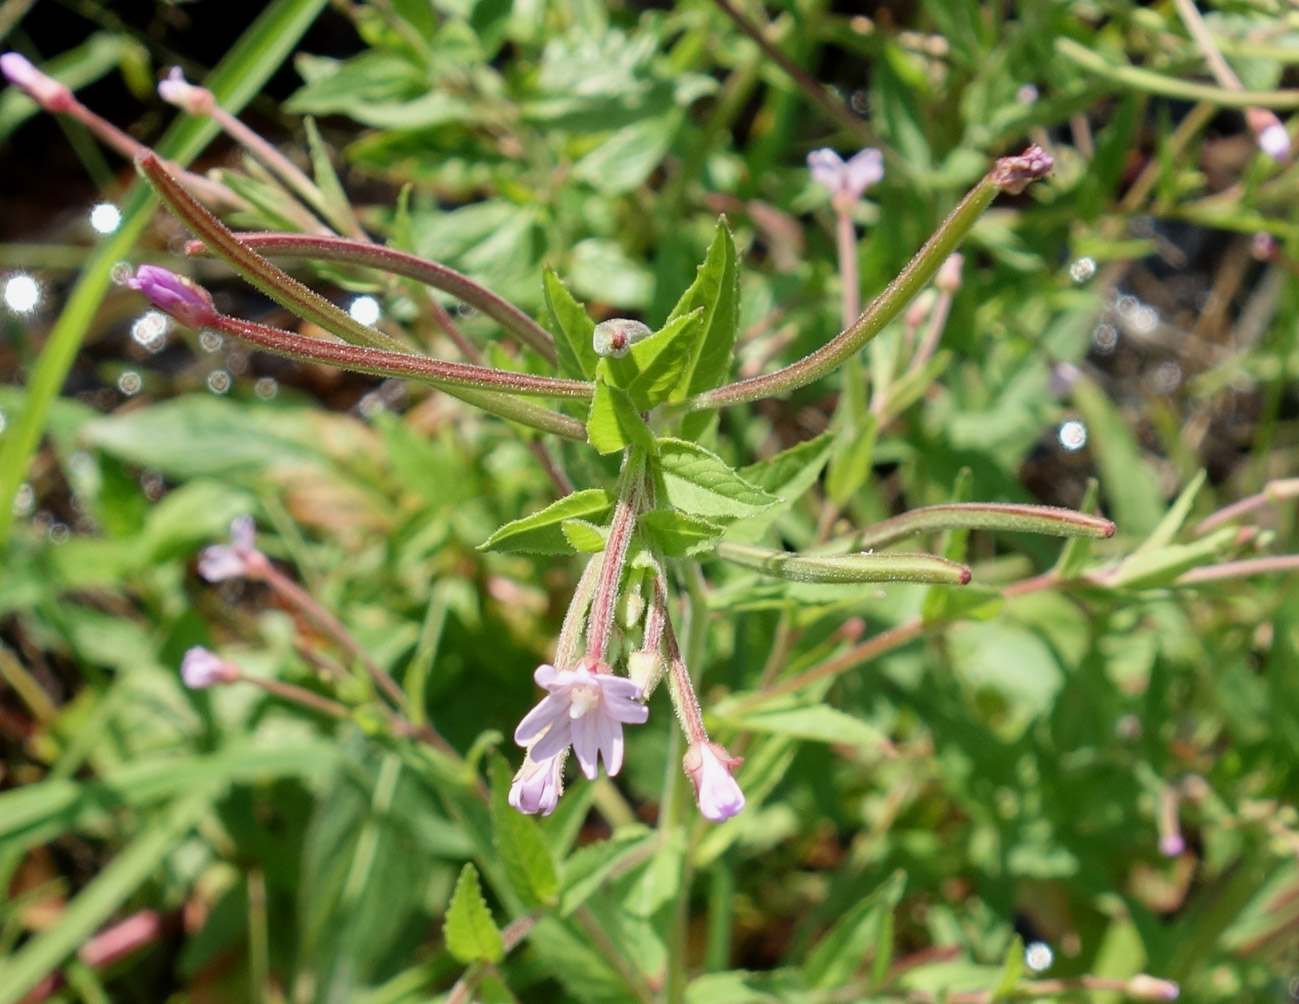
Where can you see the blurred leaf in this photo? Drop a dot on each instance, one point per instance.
(816, 722)
(588, 868)
(524, 853)
(842, 950)
(1132, 489)
(470, 932)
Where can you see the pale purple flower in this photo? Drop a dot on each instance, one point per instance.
(174, 295)
(716, 790)
(538, 785)
(1271, 134)
(238, 559)
(1172, 845)
(176, 90)
(586, 709)
(44, 90)
(203, 668)
(846, 181)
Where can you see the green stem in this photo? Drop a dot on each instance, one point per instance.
(879, 313)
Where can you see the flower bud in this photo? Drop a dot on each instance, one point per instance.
(1272, 137)
(202, 668)
(44, 90)
(1013, 174)
(174, 295)
(644, 670)
(948, 279)
(178, 91)
(709, 768)
(538, 785)
(1151, 988)
(919, 308)
(616, 336)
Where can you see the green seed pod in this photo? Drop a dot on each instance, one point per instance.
(616, 336)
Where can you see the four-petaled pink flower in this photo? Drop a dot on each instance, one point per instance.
(239, 558)
(203, 668)
(716, 790)
(174, 295)
(846, 181)
(538, 785)
(586, 708)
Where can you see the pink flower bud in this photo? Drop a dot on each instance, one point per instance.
(1151, 988)
(174, 295)
(44, 90)
(178, 91)
(1272, 137)
(1172, 845)
(538, 784)
(716, 791)
(948, 279)
(202, 668)
(1013, 174)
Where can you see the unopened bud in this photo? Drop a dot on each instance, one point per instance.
(1264, 247)
(1150, 988)
(644, 670)
(44, 90)
(948, 279)
(709, 767)
(920, 308)
(175, 295)
(1014, 174)
(1272, 137)
(202, 668)
(616, 336)
(178, 91)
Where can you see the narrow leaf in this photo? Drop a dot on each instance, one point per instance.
(470, 932)
(540, 533)
(573, 329)
(841, 952)
(716, 289)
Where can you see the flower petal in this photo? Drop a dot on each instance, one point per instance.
(552, 710)
(617, 686)
(586, 744)
(611, 745)
(553, 742)
(628, 712)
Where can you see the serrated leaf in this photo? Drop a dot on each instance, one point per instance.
(587, 538)
(841, 952)
(614, 423)
(470, 932)
(789, 475)
(573, 329)
(700, 483)
(527, 860)
(678, 535)
(540, 533)
(587, 868)
(716, 288)
(662, 360)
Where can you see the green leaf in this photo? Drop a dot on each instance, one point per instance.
(662, 360)
(717, 290)
(817, 722)
(586, 538)
(700, 483)
(1011, 969)
(678, 535)
(614, 423)
(1133, 489)
(1175, 517)
(573, 329)
(789, 475)
(850, 461)
(541, 532)
(527, 860)
(470, 932)
(586, 870)
(840, 954)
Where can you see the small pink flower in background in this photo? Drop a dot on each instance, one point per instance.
(586, 708)
(178, 91)
(44, 90)
(847, 181)
(174, 295)
(238, 559)
(1172, 845)
(716, 790)
(1272, 137)
(202, 668)
(1143, 987)
(538, 785)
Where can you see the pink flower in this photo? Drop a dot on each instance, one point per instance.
(538, 785)
(174, 295)
(846, 181)
(44, 90)
(240, 558)
(716, 791)
(202, 668)
(178, 91)
(586, 708)
(1272, 137)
